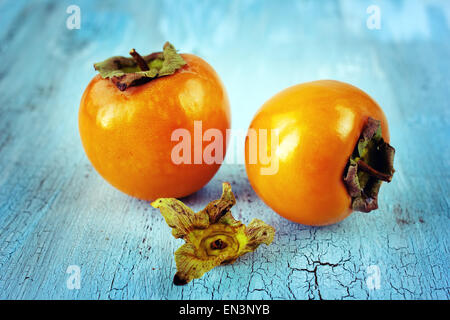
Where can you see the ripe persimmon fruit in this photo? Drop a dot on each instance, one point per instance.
(129, 111)
(332, 152)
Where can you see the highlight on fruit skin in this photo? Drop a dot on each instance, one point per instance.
(333, 152)
(213, 237)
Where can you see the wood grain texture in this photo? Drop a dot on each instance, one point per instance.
(56, 211)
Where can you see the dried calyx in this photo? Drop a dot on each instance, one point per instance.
(213, 237)
(371, 163)
(126, 72)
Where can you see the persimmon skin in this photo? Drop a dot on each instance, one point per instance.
(127, 134)
(319, 125)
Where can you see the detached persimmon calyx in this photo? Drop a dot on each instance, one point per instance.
(371, 163)
(213, 237)
(127, 72)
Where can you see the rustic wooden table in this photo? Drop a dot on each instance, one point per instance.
(57, 212)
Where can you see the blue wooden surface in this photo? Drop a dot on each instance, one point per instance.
(56, 211)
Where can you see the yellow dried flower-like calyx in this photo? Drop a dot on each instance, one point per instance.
(213, 237)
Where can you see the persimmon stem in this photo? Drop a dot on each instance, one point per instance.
(375, 173)
(218, 244)
(139, 60)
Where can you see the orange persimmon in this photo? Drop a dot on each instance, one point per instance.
(127, 116)
(319, 124)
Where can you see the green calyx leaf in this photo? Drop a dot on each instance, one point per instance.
(212, 235)
(371, 163)
(126, 72)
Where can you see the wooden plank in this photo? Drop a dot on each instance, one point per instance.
(56, 211)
